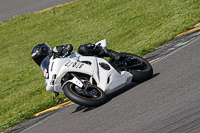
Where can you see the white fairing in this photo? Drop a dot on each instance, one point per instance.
(106, 79)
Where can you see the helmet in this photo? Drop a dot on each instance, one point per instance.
(40, 51)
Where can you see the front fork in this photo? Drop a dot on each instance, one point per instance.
(83, 84)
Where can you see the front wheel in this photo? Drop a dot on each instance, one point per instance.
(90, 97)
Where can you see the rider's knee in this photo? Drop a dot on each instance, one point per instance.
(82, 50)
(90, 49)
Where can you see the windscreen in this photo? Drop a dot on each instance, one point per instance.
(45, 66)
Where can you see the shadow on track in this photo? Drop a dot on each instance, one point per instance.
(110, 96)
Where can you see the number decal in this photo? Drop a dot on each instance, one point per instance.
(74, 64)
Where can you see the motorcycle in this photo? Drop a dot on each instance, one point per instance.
(86, 80)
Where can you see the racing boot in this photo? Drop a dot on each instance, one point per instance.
(112, 54)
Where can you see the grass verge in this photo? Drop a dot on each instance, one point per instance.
(134, 26)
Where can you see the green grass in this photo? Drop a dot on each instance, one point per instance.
(135, 26)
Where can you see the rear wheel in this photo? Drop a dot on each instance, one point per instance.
(139, 67)
(90, 97)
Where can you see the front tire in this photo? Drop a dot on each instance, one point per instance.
(92, 98)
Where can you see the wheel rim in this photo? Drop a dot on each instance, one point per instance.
(136, 63)
(93, 92)
(141, 65)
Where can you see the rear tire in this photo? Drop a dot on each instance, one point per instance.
(94, 97)
(142, 72)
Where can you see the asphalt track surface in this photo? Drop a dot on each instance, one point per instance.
(10, 8)
(169, 102)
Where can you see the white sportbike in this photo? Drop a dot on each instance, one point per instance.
(86, 80)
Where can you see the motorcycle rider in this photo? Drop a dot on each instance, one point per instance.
(40, 51)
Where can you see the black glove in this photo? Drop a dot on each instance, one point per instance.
(67, 49)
